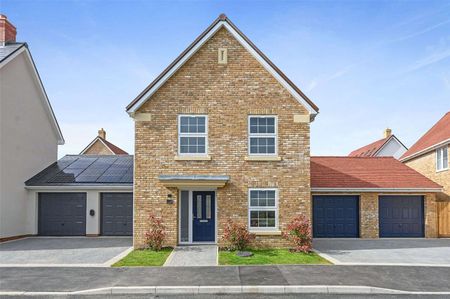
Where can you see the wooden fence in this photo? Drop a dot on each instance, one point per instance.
(444, 219)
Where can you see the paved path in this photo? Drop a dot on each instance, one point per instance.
(198, 255)
(63, 251)
(418, 252)
(419, 279)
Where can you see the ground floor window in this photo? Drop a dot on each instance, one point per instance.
(263, 210)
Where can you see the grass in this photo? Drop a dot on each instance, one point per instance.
(270, 257)
(144, 257)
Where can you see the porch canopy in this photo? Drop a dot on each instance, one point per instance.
(210, 181)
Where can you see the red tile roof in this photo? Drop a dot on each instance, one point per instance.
(437, 134)
(365, 172)
(115, 149)
(369, 150)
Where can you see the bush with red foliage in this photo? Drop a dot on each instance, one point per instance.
(157, 234)
(237, 235)
(298, 231)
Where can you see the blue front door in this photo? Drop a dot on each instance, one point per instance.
(204, 220)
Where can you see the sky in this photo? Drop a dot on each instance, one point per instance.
(368, 65)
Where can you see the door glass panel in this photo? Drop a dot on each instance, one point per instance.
(199, 206)
(184, 217)
(208, 206)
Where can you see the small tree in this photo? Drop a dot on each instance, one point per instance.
(237, 235)
(298, 231)
(157, 234)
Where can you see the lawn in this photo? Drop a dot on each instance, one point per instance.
(144, 257)
(270, 256)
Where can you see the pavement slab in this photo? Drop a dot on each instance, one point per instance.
(191, 256)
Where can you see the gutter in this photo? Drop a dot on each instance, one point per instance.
(394, 190)
(82, 187)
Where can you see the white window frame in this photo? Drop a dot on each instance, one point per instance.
(440, 154)
(263, 135)
(193, 135)
(250, 209)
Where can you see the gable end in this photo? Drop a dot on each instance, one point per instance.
(224, 22)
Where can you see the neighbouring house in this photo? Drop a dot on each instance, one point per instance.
(101, 146)
(223, 134)
(430, 156)
(29, 131)
(388, 146)
(82, 195)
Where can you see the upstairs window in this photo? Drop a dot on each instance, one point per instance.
(192, 135)
(442, 158)
(262, 135)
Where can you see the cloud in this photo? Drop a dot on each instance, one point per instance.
(339, 73)
(429, 60)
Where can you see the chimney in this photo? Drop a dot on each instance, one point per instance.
(102, 133)
(387, 133)
(7, 31)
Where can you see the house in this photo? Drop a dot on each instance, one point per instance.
(29, 131)
(429, 155)
(388, 146)
(82, 195)
(101, 146)
(223, 134)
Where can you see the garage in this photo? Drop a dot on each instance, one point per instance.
(62, 214)
(117, 214)
(401, 216)
(335, 216)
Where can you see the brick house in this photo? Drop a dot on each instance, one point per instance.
(100, 146)
(429, 155)
(223, 134)
(388, 146)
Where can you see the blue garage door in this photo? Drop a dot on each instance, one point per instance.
(335, 216)
(401, 216)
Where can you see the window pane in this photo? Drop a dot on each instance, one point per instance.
(208, 206)
(445, 157)
(193, 145)
(193, 124)
(260, 145)
(199, 206)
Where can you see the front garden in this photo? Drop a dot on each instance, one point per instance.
(238, 249)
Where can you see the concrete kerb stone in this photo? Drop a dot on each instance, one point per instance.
(192, 290)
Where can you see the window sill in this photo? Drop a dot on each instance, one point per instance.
(266, 233)
(192, 158)
(262, 158)
(441, 170)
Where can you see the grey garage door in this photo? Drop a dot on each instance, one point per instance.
(401, 216)
(117, 214)
(62, 214)
(335, 216)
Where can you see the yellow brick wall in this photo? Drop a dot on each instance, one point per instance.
(228, 93)
(426, 165)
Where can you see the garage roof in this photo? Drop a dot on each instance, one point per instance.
(86, 170)
(366, 174)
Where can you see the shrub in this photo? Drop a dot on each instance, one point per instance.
(237, 235)
(157, 234)
(299, 233)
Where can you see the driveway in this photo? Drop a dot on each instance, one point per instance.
(64, 251)
(407, 252)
